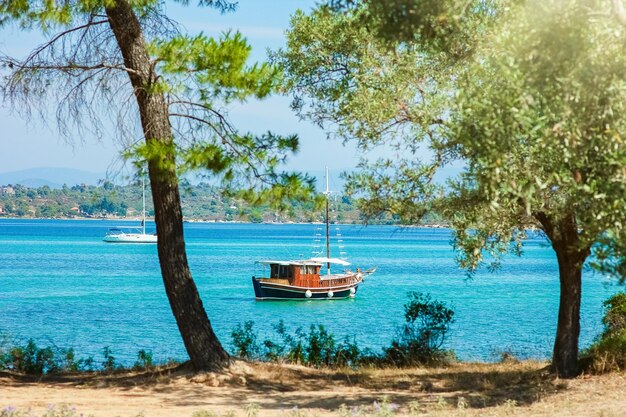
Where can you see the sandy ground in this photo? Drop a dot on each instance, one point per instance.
(518, 389)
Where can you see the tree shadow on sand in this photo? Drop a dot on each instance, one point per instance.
(281, 387)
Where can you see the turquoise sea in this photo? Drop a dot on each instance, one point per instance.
(61, 285)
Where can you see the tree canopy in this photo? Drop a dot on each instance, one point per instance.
(539, 117)
(125, 60)
(80, 67)
(528, 95)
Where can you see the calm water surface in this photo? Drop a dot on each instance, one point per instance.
(60, 284)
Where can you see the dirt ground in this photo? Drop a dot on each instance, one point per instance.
(248, 389)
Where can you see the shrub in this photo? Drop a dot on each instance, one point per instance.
(30, 359)
(245, 341)
(291, 345)
(615, 317)
(320, 347)
(144, 360)
(315, 348)
(348, 353)
(421, 338)
(608, 352)
(420, 341)
(109, 364)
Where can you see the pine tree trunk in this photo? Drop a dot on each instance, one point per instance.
(571, 256)
(203, 347)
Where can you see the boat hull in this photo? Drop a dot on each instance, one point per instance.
(272, 291)
(130, 238)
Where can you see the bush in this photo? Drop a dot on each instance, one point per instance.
(320, 347)
(144, 360)
(245, 341)
(608, 352)
(421, 338)
(34, 360)
(316, 348)
(615, 317)
(420, 341)
(109, 364)
(31, 359)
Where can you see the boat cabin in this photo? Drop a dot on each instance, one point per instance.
(299, 273)
(305, 273)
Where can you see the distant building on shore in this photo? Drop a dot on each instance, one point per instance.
(7, 189)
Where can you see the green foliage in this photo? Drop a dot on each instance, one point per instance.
(316, 348)
(538, 117)
(420, 341)
(532, 105)
(199, 202)
(245, 341)
(104, 205)
(609, 257)
(341, 76)
(450, 27)
(346, 79)
(608, 352)
(107, 200)
(320, 346)
(614, 319)
(423, 334)
(218, 65)
(202, 202)
(109, 363)
(32, 359)
(144, 360)
(534, 113)
(195, 77)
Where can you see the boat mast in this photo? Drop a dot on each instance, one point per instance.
(327, 193)
(143, 187)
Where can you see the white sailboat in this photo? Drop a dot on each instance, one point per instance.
(117, 235)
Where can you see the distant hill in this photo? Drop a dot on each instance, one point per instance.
(52, 177)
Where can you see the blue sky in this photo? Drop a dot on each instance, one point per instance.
(33, 144)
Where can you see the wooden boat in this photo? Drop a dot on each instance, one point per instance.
(304, 279)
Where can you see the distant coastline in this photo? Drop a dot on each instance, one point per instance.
(200, 203)
(193, 220)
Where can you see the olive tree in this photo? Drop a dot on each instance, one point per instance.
(124, 60)
(532, 104)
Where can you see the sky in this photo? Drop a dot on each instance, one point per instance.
(32, 143)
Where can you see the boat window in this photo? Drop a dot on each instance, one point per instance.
(307, 269)
(285, 271)
(281, 271)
